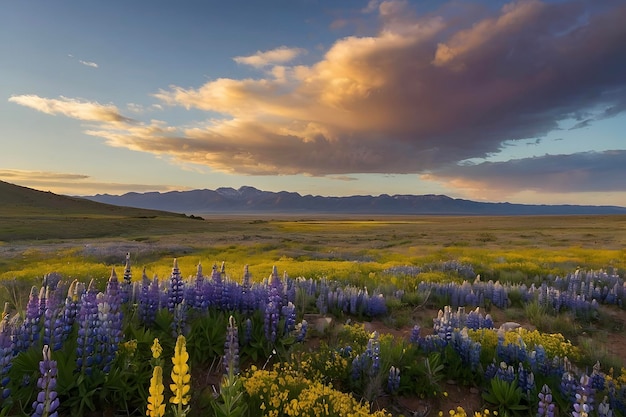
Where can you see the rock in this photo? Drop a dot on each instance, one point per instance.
(510, 325)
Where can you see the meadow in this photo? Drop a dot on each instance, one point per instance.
(381, 282)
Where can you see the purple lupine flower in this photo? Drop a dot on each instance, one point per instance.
(584, 398)
(491, 370)
(289, 313)
(276, 289)
(125, 287)
(474, 355)
(49, 320)
(247, 295)
(376, 306)
(473, 320)
(200, 299)
(357, 367)
(432, 343)
(179, 323)
(500, 298)
(522, 378)
(604, 408)
(373, 351)
(231, 348)
(505, 372)
(43, 293)
(154, 298)
(6, 352)
(87, 319)
(539, 361)
(143, 298)
(247, 338)
(231, 297)
(217, 286)
(415, 335)
(110, 319)
(176, 291)
(29, 333)
(345, 351)
(290, 291)
(597, 378)
(568, 386)
(47, 401)
(321, 304)
(301, 330)
(393, 381)
(270, 322)
(65, 319)
(546, 406)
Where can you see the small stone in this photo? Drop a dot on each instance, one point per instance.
(510, 325)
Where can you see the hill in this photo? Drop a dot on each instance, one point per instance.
(26, 213)
(250, 199)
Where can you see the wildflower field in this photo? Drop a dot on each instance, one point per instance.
(316, 317)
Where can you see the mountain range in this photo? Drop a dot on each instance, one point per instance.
(251, 200)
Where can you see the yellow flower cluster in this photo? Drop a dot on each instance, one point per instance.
(128, 347)
(156, 406)
(619, 380)
(156, 349)
(283, 392)
(321, 364)
(460, 412)
(180, 373)
(555, 344)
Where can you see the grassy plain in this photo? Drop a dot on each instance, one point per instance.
(357, 248)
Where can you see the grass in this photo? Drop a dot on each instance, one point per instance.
(333, 247)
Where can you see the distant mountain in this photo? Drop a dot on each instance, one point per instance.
(250, 199)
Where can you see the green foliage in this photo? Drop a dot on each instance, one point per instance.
(353, 335)
(206, 337)
(231, 400)
(422, 376)
(506, 396)
(456, 370)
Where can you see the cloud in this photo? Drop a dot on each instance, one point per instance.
(76, 109)
(73, 184)
(88, 63)
(23, 175)
(424, 92)
(279, 55)
(575, 173)
(343, 178)
(372, 6)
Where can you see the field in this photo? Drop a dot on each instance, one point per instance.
(407, 260)
(511, 248)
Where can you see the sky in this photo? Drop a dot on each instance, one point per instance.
(521, 101)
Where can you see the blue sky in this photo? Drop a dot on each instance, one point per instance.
(490, 101)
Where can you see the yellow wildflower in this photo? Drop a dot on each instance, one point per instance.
(156, 349)
(180, 374)
(156, 407)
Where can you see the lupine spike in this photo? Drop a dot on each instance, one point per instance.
(156, 404)
(231, 348)
(127, 280)
(47, 401)
(180, 375)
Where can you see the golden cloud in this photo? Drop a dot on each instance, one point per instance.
(279, 55)
(425, 92)
(77, 109)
